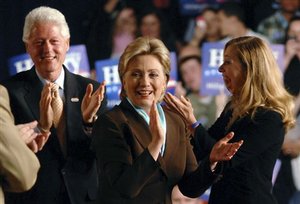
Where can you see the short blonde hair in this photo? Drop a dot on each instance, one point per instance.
(144, 46)
(45, 14)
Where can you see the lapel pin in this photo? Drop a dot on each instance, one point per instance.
(74, 99)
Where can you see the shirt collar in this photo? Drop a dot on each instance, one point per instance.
(59, 81)
(162, 118)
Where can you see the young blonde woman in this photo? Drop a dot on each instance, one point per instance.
(259, 113)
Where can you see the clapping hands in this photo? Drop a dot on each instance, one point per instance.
(181, 106)
(91, 102)
(157, 132)
(46, 112)
(223, 150)
(32, 137)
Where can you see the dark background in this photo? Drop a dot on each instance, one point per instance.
(79, 15)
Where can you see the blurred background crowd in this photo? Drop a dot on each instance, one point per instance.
(107, 26)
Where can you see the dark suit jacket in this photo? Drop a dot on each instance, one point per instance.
(129, 174)
(247, 176)
(77, 172)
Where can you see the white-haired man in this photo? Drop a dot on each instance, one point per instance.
(68, 171)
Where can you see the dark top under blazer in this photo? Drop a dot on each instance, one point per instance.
(247, 176)
(129, 174)
(78, 169)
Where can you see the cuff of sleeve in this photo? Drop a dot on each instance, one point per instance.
(195, 124)
(39, 129)
(90, 125)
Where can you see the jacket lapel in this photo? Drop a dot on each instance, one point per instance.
(33, 91)
(73, 95)
(141, 131)
(137, 124)
(172, 141)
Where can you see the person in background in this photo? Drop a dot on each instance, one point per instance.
(64, 104)
(153, 24)
(287, 184)
(292, 55)
(124, 31)
(274, 27)
(232, 22)
(205, 107)
(142, 149)
(206, 28)
(114, 26)
(259, 112)
(18, 164)
(188, 50)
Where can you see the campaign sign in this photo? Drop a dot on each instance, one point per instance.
(76, 61)
(192, 7)
(212, 57)
(173, 74)
(108, 70)
(19, 63)
(195, 7)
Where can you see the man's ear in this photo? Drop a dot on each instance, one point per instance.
(68, 44)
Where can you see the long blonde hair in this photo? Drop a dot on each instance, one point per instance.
(263, 86)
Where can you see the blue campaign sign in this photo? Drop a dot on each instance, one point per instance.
(108, 70)
(212, 57)
(19, 63)
(192, 7)
(76, 61)
(173, 74)
(195, 7)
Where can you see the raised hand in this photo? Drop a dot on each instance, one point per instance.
(181, 106)
(40, 141)
(27, 132)
(91, 102)
(46, 112)
(156, 131)
(33, 138)
(223, 150)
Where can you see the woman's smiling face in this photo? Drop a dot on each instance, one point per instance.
(144, 81)
(232, 71)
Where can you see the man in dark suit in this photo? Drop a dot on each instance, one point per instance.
(68, 171)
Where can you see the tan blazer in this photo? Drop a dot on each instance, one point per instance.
(18, 164)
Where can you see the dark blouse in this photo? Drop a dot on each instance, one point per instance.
(247, 176)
